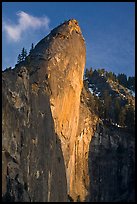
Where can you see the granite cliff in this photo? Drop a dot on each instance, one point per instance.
(48, 153)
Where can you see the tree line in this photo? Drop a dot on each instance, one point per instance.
(121, 78)
(112, 109)
(23, 55)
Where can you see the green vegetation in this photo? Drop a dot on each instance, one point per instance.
(126, 82)
(110, 105)
(23, 55)
(122, 116)
(32, 48)
(130, 116)
(107, 104)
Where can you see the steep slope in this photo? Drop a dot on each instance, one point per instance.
(98, 83)
(114, 102)
(41, 98)
(112, 164)
(64, 70)
(80, 173)
(111, 156)
(104, 156)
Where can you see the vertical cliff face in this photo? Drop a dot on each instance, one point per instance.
(41, 99)
(65, 99)
(112, 164)
(79, 188)
(32, 155)
(64, 69)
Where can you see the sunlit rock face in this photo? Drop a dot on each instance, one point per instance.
(64, 70)
(41, 99)
(79, 179)
(66, 75)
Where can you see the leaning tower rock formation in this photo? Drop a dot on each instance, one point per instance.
(63, 62)
(41, 100)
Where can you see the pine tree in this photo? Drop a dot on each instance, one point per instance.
(117, 109)
(130, 117)
(100, 107)
(32, 47)
(111, 75)
(19, 59)
(122, 116)
(107, 104)
(114, 77)
(122, 78)
(131, 83)
(87, 73)
(23, 54)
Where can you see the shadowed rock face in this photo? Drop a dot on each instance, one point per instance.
(112, 165)
(32, 155)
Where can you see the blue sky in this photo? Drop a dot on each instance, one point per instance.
(108, 29)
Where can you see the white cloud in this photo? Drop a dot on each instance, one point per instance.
(26, 21)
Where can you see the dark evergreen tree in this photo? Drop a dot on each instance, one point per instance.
(122, 116)
(130, 117)
(32, 47)
(110, 75)
(107, 104)
(101, 71)
(122, 79)
(100, 108)
(23, 54)
(86, 73)
(19, 59)
(116, 110)
(114, 77)
(131, 83)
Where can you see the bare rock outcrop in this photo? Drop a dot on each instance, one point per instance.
(64, 69)
(80, 180)
(41, 99)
